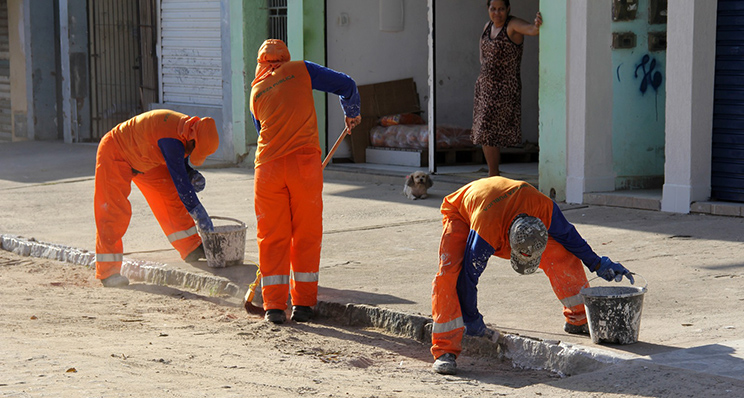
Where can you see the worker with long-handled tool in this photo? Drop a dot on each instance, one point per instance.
(288, 183)
(510, 219)
(153, 151)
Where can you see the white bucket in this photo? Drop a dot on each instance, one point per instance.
(614, 312)
(225, 246)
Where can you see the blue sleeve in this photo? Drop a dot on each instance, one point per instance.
(477, 253)
(173, 153)
(330, 81)
(256, 123)
(566, 234)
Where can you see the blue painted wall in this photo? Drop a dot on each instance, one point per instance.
(639, 98)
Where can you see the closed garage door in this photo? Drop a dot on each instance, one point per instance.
(727, 179)
(191, 52)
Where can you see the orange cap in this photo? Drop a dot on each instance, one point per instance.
(207, 140)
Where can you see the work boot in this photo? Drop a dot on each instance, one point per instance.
(115, 280)
(276, 316)
(576, 329)
(302, 313)
(445, 364)
(195, 255)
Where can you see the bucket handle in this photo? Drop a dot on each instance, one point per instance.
(632, 273)
(242, 224)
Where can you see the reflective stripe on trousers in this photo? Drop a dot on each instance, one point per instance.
(109, 257)
(182, 234)
(447, 326)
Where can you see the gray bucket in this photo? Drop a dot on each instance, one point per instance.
(225, 246)
(614, 312)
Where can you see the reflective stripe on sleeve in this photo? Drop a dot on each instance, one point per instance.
(573, 301)
(274, 280)
(448, 326)
(304, 276)
(109, 257)
(182, 234)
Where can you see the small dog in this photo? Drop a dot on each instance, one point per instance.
(416, 185)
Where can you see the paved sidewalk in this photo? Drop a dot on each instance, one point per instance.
(380, 253)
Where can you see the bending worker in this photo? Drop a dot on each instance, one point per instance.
(153, 150)
(500, 217)
(288, 183)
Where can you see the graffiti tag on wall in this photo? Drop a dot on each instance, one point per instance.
(650, 77)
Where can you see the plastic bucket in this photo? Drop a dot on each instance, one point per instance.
(225, 246)
(614, 312)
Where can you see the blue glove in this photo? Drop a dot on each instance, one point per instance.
(609, 270)
(202, 218)
(197, 180)
(476, 328)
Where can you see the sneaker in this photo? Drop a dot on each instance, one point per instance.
(276, 316)
(302, 313)
(445, 364)
(115, 280)
(195, 255)
(576, 329)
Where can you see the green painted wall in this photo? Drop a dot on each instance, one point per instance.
(639, 99)
(552, 98)
(255, 29)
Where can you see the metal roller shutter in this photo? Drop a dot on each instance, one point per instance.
(727, 178)
(191, 71)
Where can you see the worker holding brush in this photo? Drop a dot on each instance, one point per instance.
(288, 181)
(511, 219)
(152, 150)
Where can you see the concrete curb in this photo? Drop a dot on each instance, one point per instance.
(524, 352)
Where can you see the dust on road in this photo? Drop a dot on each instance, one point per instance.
(63, 334)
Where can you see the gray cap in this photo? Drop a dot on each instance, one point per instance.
(527, 238)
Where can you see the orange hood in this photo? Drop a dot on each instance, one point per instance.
(204, 133)
(271, 56)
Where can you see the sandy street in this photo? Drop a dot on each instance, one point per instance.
(63, 334)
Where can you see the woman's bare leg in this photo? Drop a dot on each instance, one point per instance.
(493, 158)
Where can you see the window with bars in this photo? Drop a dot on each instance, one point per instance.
(278, 20)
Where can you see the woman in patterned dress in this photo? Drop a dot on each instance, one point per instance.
(497, 105)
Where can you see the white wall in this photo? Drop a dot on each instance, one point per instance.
(689, 105)
(369, 55)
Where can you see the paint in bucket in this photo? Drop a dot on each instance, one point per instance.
(225, 246)
(614, 312)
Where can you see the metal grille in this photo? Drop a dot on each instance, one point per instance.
(278, 20)
(114, 45)
(6, 132)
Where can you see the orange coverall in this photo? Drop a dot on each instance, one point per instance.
(130, 152)
(288, 182)
(476, 222)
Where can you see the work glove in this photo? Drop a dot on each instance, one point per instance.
(197, 180)
(199, 214)
(609, 270)
(476, 328)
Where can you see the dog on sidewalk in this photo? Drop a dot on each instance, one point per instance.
(416, 185)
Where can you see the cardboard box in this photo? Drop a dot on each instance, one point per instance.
(381, 99)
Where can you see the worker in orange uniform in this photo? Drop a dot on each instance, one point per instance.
(153, 151)
(497, 216)
(288, 181)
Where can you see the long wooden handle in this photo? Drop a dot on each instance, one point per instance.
(335, 146)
